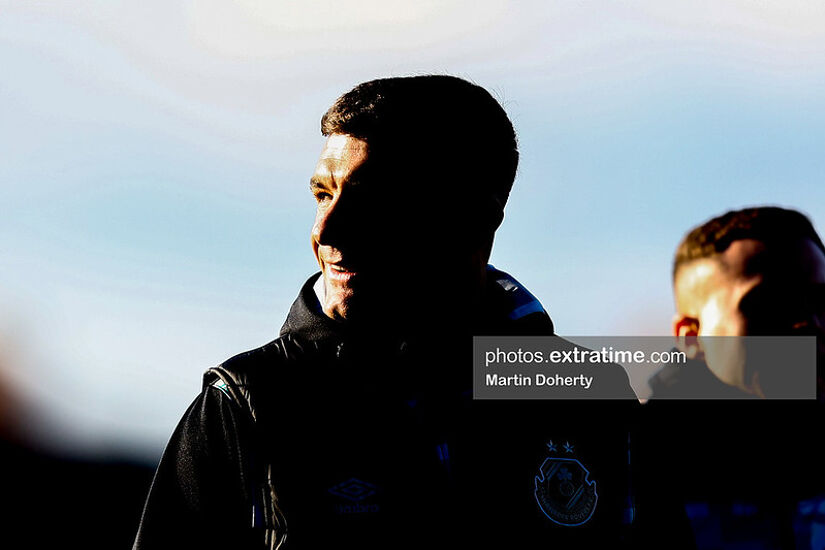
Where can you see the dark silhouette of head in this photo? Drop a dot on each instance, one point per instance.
(411, 186)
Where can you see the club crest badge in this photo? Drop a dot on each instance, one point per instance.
(564, 492)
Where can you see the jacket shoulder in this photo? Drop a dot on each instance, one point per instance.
(245, 375)
(523, 312)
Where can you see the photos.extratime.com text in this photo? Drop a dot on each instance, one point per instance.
(582, 356)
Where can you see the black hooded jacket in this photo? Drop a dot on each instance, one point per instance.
(326, 439)
(732, 447)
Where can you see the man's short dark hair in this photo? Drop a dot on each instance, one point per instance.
(462, 125)
(769, 224)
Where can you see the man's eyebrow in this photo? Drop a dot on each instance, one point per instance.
(316, 184)
(356, 179)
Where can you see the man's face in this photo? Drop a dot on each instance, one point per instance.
(753, 289)
(380, 236)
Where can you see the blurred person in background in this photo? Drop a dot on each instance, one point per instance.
(50, 498)
(748, 468)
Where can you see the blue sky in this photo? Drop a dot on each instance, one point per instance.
(153, 188)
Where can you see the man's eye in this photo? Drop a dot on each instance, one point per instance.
(322, 196)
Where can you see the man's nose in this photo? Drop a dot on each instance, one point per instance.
(337, 223)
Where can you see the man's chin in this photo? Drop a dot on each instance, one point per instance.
(350, 308)
(371, 305)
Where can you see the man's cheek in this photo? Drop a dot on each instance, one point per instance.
(726, 358)
(313, 243)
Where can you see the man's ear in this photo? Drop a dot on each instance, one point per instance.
(495, 215)
(686, 331)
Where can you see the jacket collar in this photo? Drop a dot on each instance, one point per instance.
(510, 309)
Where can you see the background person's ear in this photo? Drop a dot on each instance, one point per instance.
(686, 331)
